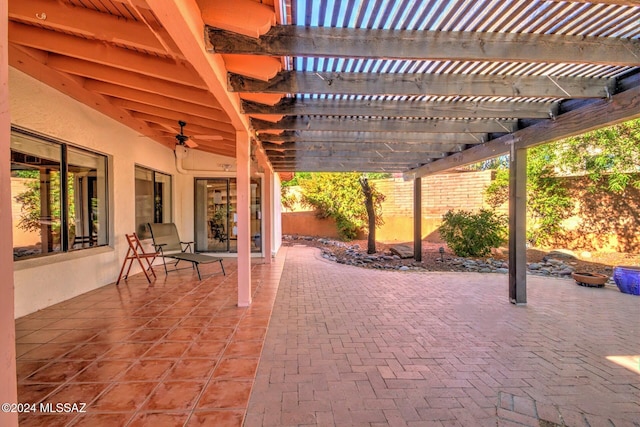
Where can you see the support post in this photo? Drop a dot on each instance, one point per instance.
(8, 390)
(267, 209)
(243, 183)
(517, 226)
(417, 219)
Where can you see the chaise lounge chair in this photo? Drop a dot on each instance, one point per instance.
(168, 245)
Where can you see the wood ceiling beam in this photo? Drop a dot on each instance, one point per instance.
(390, 137)
(183, 20)
(380, 125)
(341, 166)
(293, 40)
(221, 122)
(72, 86)
(175, 98)
(129, 79)
(172, 124)
(104, 54)
(621, 107)
(371, 155)
(159, 100)
(449, 109)
(364, 146)
(425, 84)
(89, 23)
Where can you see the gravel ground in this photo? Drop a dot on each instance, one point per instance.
(354, 253)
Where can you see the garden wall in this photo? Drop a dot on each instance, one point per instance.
(440, 193)
(601, 220)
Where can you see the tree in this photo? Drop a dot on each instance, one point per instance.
(339, 196)
(371, 214)
(610, 157)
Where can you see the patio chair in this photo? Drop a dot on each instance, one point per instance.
(168, 245)
(136, 252)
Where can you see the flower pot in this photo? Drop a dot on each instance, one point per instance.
(627, 279)
(594, 280)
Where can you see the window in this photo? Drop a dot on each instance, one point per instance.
(153, 199)
(59, 196)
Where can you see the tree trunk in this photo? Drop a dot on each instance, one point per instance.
(368, 201)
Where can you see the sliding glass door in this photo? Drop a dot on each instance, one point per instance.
(216, 226)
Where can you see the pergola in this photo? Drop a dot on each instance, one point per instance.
(417, 87)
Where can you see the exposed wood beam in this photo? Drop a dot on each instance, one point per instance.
(353, 137)
(71, 86)
(169, 99)
(105, 54)
(623, 106)
(368, 155)
(449, 109)
(364, 146)
(176, 114)
(128, 79)
(173, 124)
(292, 40)
(128, 94)
(426, 84)
(90, 23)
(341, 166)
(183, 21)
(379, 125)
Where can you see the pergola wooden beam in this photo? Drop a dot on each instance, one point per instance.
(364, 156)
(621, 107)
(425, 84)
(448, 109)
(364, 146)
(378, 125)
(373, 137)
(291, 40)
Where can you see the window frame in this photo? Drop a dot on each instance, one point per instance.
(63, 146)
(142, 229)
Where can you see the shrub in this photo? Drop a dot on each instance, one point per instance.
(471, 234)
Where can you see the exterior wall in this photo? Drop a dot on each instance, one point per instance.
(40, 282)
(602, 220)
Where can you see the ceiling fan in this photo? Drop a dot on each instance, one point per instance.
(183, 139)
(187, 141)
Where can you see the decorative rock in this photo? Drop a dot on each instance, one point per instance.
(403, 251)
(534, 266)
(403, 268)
(502, 270)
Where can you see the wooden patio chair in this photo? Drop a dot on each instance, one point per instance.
(167, 244)
(137, 252)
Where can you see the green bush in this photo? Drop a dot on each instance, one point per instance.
(471, 234)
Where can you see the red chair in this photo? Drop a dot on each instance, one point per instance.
(136, 252)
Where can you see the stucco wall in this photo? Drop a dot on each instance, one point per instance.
(40, 282)
(440, 193)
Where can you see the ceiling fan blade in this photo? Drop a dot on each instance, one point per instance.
(208, 137)
(191, 144)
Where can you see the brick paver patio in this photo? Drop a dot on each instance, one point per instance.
(350, 346)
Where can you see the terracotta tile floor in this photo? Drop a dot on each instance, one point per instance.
(173, 353)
